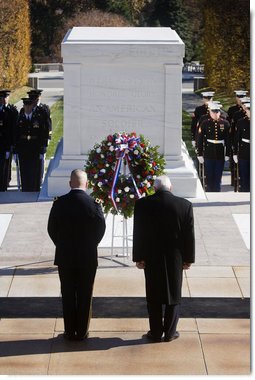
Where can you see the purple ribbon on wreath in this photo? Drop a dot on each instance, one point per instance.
(124, 145)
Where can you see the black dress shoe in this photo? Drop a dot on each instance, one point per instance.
(170, 338)
(69, 336)
(152, 337)
(82, 337)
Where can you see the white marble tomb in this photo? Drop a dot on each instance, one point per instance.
(123, 79)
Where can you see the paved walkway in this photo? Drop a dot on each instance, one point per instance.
(214, 324)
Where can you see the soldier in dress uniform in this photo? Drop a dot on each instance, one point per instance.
(32, 137)
(200, 111)
(237, 107)
(239, 114)
(240, 94)
(8, 119)
(214, 147)
(35, 95)
(241, 149)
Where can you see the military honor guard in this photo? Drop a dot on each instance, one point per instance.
(239, 114)
(213, 147)
(239, 94)
(32, 135)
(8, 119)
(200, 111)
(35, 95)
(241, 149)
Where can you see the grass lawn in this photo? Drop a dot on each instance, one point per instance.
(57, 127)
(186, 133)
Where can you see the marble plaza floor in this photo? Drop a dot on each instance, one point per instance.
(214, 325)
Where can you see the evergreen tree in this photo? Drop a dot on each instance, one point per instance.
(47, 16)
(170, 13)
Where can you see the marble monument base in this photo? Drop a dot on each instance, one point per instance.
(180, 170)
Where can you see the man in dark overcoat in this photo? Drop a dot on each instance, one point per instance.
(76, 226)
(163, 245)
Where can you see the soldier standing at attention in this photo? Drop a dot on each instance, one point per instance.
(35, 95)
(31, 144)
(240, 94)
(237, 107)
(44, 110)
(8, 119)
(214, 147)
(239, 114)
(200, 111)
(241, 149)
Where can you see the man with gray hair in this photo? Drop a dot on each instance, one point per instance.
(76, 226)
(163, 245)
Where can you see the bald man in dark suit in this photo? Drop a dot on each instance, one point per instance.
(76, 226)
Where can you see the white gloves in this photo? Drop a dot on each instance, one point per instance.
(226, 158)
(235, 159)
(7, 155)
(201, 159)
(193, 143)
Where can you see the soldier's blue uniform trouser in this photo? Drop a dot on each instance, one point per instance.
(244, 173)
(213, 174)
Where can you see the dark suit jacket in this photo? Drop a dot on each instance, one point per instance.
(164, 238)
(76, 226)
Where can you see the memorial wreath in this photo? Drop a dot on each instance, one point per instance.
(121, 169)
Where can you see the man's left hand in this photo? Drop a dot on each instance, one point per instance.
(140, 264)
(186, 265)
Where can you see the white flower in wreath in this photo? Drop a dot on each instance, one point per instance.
(117, 199)
(102, 155)
(119, 191)
(148, 184)
(98, 150)
(95, 176)
(131, 196)
(107, 165)
(138, 176)
(100, 184)
(136, 152)
(126, 189)
(111, 149)
(109, 143)
(154, 177)
(102, 170)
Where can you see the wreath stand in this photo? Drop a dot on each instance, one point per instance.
(125, 239)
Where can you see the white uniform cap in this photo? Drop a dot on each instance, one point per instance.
(214, 106)
(208, 94)
(246, 99)
(240, 93)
